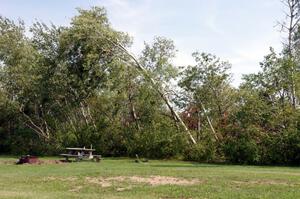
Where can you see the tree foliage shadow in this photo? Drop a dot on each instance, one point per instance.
(190, 165)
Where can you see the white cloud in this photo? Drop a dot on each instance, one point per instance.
(245, 59)
(238, 31)
(243, 46)
(211, 17)
(183, 59)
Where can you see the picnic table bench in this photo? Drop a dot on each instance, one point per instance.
(80, 154)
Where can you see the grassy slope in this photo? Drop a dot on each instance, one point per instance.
(217, 181)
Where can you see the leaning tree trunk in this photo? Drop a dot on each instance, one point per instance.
(131, 101)
(160, 91)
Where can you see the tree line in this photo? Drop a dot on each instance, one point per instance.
(79, 85)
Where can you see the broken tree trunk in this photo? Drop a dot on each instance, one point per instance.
(161, 93)
(209, 121)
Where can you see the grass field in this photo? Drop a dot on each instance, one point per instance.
(123, 178)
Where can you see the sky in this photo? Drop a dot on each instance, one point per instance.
(238, 31)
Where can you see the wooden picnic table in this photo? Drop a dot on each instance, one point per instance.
(81, 153)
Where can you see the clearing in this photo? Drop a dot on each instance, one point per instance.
(123, 178)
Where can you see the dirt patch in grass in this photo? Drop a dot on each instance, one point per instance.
(121, 183)
(124, 188)
(152, 180)
(163, 180)
(98, 181)
(76, 189)
(8, 162)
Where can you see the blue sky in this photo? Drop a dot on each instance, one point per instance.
(239, 31)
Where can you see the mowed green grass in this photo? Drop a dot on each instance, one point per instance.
(79, 180)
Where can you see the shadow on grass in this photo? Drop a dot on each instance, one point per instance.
(218, 165)
(191, 165)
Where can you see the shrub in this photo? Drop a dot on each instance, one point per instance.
(156, 144)
(282, 148)
(242, 150)
(201, 152)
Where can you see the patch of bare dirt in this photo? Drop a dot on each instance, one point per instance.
(129, 181)
(76, 189)
(124, 188)
(8, 162)
(163, 180)
(98, 181)
(152, 180)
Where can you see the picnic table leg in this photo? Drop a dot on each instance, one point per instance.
(79, 158)
(97, 158)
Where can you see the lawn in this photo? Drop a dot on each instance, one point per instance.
(123, 178)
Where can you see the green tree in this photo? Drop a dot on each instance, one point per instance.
(207, 88)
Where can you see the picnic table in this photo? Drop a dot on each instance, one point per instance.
(80, 154)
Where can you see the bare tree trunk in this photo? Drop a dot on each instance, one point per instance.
(160, 92)
(209, 121)
(198, 125)
(90, 116)
(71, 123)
(38, 129)
(84, 113)
(292, 8)
(292, 26)
(175, 121)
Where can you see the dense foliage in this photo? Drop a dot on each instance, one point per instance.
(79, 86)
